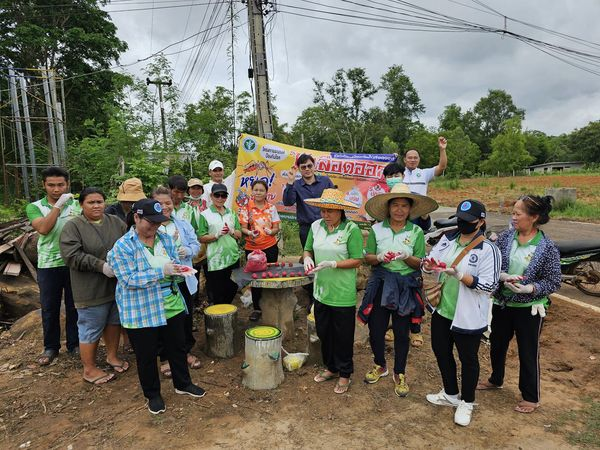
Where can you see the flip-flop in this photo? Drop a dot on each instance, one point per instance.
(486, 386)
(416, 339)
(47, 357)
(526, 407)
(107, 377)
(165, 370)
(342, 388)
(321, 377)
(119, 368)
(195, 364)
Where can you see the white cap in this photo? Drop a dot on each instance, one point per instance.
(214, 164)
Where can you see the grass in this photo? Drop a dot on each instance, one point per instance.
(587, 422)
(291, 238)
(575, 210)
(11, 212)
(448, 183)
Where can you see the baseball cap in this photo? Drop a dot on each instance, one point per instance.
(218, 187)
(195, 182)
(131, 190)
(470, 210)
(149, 209)
(215, 164)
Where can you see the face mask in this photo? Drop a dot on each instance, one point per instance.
(391, 182)
(465, 227)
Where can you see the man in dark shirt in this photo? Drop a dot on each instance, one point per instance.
(309, 186)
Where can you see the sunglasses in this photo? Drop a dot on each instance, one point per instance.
(306, 166)
(531, 199)
(221, 195)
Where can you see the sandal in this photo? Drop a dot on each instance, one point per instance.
(526, 407)
(47, 357)
(255, 315)
(416, 339)
(342, 388)
(326, 375)
(102, 379)
(119, 368)
(486, 385)
(389, 335)
(193, 362)
(165, 369)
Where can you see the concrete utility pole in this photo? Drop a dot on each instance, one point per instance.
(160, 84)
(28, 130)
(14, 99)
(259, 69)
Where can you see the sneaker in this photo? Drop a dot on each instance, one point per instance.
(375, 374)
(156, 405)
(442, 399)
(400, 386)
(462, 415)
(193, 390)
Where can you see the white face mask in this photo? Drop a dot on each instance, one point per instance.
(391, 182)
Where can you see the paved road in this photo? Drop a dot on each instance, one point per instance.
(559, 230)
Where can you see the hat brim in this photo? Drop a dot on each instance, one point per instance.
(377, 207)
(130, 197)
(156, 218)
(468, 217)
(329, 205)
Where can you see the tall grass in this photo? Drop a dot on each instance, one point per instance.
(291, 238)
(575, 210)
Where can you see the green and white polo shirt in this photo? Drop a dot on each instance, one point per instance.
(520, 257)
(184, 212)
(409, 239)
(223, 252)
(451, 285)
(335, 287)
(48, 245)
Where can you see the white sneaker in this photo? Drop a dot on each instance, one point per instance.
(462, 415)
(442, 399)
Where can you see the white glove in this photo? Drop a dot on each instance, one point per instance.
(506, 278)
(107, 270)
(62, 200)
(325, 265)
(382, 257)
(452, 272)
(255, 233)
(230, 230)
(309, 264)
(170, 269)
(538, 309)
(182, 252)
(400, 255)
(224, 231)
(519, 288)
(268, 231)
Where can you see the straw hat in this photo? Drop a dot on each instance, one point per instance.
(377, 207)
(131, 190)
(331, 199)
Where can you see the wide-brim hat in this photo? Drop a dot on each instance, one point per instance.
(378, 206)
(131, 190)
(331, 199)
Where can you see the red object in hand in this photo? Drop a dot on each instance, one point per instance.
(264, 275)
(254, 276)
(306, 273)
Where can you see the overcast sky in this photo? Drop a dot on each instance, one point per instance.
(444, 67)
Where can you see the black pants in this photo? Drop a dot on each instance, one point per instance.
(304, 229)
(189, 318)
(222, 286)
(145, 343)
(272, 255)
(442, 342)
(506, 322)
(53, 283)
(378, 325)
(335, 328)
(209, 292)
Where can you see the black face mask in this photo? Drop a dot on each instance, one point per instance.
(465, 227)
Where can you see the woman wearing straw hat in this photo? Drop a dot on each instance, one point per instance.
(336, 245)
(395, 247)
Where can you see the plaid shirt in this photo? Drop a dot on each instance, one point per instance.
(138, 293)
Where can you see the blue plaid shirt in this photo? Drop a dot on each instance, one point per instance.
(138, 295)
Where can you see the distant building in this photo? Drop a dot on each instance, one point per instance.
(555, 166)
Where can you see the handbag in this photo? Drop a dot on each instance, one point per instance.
(432, 287)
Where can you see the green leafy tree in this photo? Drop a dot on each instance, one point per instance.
(508, 150)
(451, 118)
(584, 143)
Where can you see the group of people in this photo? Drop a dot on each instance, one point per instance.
(134, 266)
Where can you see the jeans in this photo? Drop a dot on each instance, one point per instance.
(53, 283)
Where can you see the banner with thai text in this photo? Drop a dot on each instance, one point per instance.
(359, 176)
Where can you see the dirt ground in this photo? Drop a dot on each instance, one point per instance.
(53, 408)
(499, 193)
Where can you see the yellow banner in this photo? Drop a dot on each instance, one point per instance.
(359, 176)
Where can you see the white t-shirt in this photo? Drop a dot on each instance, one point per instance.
(418, 179)
(229, 181)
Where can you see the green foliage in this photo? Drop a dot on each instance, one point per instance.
(586, 422)
(508, 150)
(291, 238)
(585, 142)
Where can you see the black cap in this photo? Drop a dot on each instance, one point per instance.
(218, 187)
(470, 210)
(149, 209)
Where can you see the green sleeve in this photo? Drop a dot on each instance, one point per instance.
(309, 241)
(371, 243)
(355, 243)
(33, 212)
(202, 226)
(419, 248)
(237, 225)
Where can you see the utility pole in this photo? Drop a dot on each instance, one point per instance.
(259, 69)
(160, 84)
(14, 98)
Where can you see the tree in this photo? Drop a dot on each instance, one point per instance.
(451, 118)
(585, 142)
(508, 150)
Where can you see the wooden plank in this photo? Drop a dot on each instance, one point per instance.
(24, 257)
(13, 269)
(5, 247)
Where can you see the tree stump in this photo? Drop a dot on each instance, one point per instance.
(220, 325)
(262, 367)
(313, 343)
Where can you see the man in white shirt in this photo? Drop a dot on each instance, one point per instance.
(417, 179)
(216, 173)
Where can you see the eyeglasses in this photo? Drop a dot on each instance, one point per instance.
(221, 195)
(306, 166)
